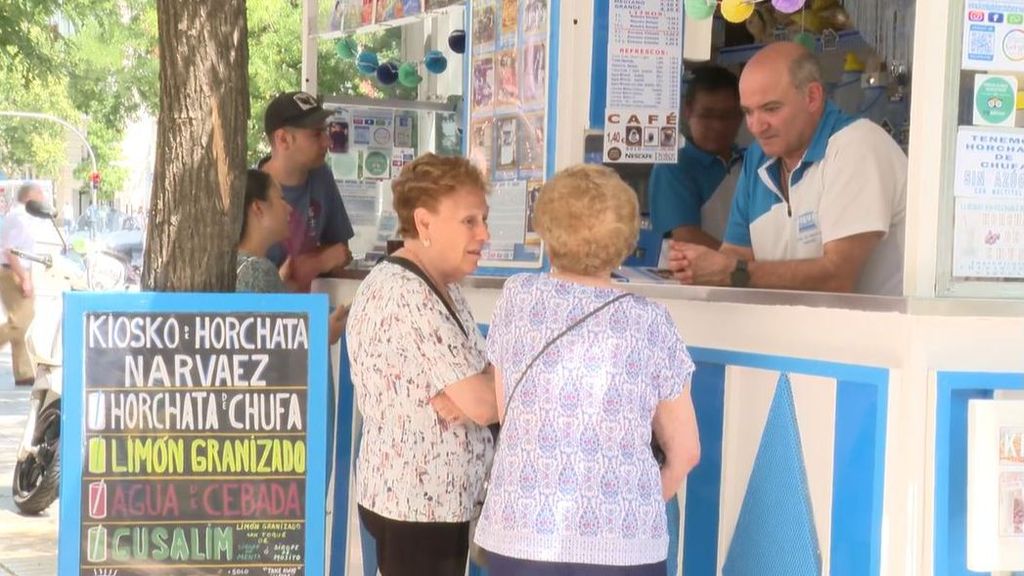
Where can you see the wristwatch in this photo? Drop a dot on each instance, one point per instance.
(740, 276)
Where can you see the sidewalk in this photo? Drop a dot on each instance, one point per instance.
(28, 544)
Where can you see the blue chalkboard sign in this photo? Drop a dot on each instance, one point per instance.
(193, 434)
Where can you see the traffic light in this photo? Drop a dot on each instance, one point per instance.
(94, 179)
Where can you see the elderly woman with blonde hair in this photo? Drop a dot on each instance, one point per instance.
(584, 372)
(423, 384)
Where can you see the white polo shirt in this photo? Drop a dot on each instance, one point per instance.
(18, 232)
(852, 180)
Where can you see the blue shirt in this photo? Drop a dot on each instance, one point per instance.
(695, 191)
(318, 216)
(851, 180)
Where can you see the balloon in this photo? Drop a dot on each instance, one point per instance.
(387, 73)
(699, 9)
(367, 63)
(408, 76)
(347, 48)
(737, 11)
(806, 39)
(457, 41)
(435, 62)
(788, 6)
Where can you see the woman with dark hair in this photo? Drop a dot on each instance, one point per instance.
(264, 224)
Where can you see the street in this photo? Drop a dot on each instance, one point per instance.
(28, 545)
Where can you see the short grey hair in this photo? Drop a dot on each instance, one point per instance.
(805, 70)
(25, 190)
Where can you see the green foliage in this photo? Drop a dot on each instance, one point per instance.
(275, 64)
(97, 76)
(103, 72)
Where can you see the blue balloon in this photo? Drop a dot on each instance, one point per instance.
(435, 62)
(387, 74)
(457, 41)
(367, 63)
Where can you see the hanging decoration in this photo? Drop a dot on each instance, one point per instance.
(788, 6)
(457, 41)
(700, 9)
(409, 76)
(737, 11)
(435, 62)
(405, 73)
(347, 48)
(387, 73)
(801, 21)
(367, 63)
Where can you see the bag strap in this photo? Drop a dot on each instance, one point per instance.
(550, 343)
(412, 267)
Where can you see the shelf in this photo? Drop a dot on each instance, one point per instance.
(849, 41)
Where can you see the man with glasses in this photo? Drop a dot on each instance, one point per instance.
(319, 227)
(689, 201)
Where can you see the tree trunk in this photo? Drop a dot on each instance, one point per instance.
(195, 213)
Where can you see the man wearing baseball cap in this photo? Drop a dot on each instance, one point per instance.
(319, 228)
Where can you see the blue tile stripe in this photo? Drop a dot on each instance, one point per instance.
(704, 484)
(343, 464)
(858, 478)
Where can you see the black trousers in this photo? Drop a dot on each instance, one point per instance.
(418, 548)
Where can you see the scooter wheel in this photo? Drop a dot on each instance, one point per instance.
(37, 478)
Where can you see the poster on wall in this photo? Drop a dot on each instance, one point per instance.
(192, 447)
(988, 238)
(988, 221)
(994, 35)
(343, 16)
(645, 57)
(509, 63)
(995, 485)
(1011, 483)
(989, 163)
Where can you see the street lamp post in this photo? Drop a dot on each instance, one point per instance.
(62, 122)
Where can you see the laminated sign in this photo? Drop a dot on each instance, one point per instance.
(641, 136)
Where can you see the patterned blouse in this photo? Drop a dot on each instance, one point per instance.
(405, 348)
(257, 274)
(574, 479)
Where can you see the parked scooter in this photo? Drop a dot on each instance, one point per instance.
(37, 470)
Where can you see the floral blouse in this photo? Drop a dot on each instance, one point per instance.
(405, 348)
(574, 479)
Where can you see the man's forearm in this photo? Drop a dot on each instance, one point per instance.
(694, 235)
(334, 256)
(816, 274)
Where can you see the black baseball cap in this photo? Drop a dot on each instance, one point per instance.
(295, 109)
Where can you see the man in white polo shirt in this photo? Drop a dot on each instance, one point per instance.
(820, 204)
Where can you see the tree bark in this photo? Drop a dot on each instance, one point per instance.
(195, 212)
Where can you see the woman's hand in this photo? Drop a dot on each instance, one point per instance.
(447, 409)
(336, 323)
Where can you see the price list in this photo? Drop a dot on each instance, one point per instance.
(195, 444)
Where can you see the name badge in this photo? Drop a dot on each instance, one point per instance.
(807, 230)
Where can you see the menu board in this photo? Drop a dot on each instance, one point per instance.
(197, 452)
(645, 57)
